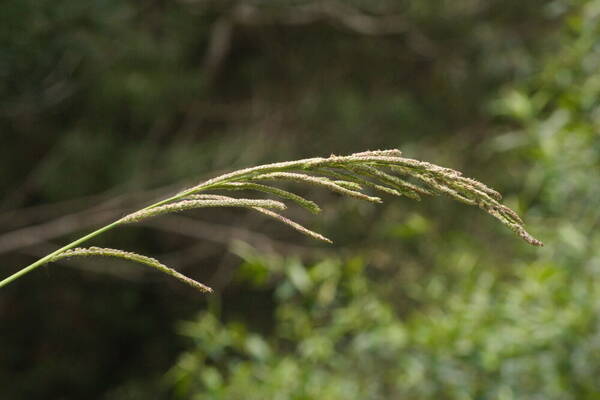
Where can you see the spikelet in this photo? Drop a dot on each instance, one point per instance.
(301, 201)
(480, 186)
(130, 256)
(386, 153)
(406, 188)
(348, 185)
(316, 180)
(472, 192)
(409, 163)
(276, 216)
(293, 224)
(359, 180)
(208, 197)
(192, 204)
(515, 227)
(441, 188)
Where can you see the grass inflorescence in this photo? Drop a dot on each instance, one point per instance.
(384, 171)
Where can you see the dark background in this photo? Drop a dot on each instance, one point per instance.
(107, 105)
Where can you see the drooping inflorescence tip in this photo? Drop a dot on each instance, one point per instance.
(383, 170)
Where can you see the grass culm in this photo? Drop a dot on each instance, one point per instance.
(384, 171)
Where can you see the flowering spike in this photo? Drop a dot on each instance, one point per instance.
(130, 256)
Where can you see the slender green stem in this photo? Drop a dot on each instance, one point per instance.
(49, 257)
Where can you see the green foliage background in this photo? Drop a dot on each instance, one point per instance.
(106, 100)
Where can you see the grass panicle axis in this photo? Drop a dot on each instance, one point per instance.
(384, 171)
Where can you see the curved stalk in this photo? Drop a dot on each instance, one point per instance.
(374, 169)
(48, 258)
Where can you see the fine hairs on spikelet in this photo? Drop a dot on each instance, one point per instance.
(385, 171)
